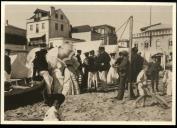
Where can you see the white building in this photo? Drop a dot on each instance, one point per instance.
(154, 39)
(44, 25)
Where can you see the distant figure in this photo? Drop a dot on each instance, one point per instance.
(154, 68)
(145, 91)
(86, 69)
(123, 66)
(167, 80)
(78, 56)
(79, 70)
(112, 74)
(103, 61)
(136, 64)
(92, 68)
(7, 64)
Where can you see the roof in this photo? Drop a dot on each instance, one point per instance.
(104, 25)
(40, 10)
(158, 26)
(10, 29)
(83, 28)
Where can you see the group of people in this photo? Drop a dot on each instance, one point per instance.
(68, 74)
(94, 68)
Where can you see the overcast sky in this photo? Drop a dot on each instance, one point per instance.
(114, 15)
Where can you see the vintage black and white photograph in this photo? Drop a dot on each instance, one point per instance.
(88, 61)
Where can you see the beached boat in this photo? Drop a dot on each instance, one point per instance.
(19, 95)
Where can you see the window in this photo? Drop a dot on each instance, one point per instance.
(61, 17)
(56, 16)
(43, 25)
(157, 43)
(56, 26)
(146, 44)
(37, 28)
(31, 27)
(170, 42)
(62, 27)
(102, 31)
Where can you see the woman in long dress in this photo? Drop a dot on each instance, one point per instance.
(112, 74)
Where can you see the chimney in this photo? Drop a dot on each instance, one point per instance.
(7, 23)
(52, 10)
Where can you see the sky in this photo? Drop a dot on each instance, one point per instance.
(114, 15)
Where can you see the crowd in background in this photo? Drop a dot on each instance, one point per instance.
(95, 70)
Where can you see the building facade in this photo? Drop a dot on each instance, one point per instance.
(44, 25)
(106, 33)
(154, 39)
(15, 38)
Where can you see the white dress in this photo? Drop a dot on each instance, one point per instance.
(112, 74)
(167, 79)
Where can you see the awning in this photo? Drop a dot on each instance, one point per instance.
(37, 36)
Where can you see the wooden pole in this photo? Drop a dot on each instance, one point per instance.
(130, 88)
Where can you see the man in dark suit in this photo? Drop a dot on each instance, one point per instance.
(103, 61)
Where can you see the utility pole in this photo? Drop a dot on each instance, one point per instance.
(150, 42)
(130, 88)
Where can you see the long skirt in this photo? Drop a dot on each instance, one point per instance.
(112, 76)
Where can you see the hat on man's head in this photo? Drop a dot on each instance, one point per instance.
(135, 49)
(101, 48)
(44, 51)
(92, 52)
(112, 54)
(79, 51)
(124, 53)
(86, 53)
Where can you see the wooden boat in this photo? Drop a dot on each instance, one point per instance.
(19, 95)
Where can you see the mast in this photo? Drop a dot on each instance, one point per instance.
(150, 41)
(130, 89)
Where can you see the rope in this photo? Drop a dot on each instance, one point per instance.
(122, 25)
(124, 30)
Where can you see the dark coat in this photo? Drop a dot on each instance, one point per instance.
(136, 66)
(7, 64)
(40, 64)
(154, 69)
(80, 61)
(103, 61)
(123, 67)
(92, 66)
(86, 64)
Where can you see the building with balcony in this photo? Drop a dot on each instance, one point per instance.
(154, 39)
(106, 33)
(45, 25)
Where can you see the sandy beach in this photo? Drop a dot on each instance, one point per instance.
(96, 106)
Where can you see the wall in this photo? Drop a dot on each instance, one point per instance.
(82, 35)
(45, 31)
(58, 33)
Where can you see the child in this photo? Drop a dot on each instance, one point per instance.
(167, 81)
(144, 91)
(142, 85)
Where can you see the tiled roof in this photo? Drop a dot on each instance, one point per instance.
(158, 26)
(83, 28)
(10, 29)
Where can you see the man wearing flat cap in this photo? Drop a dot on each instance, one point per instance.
(123, 66)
